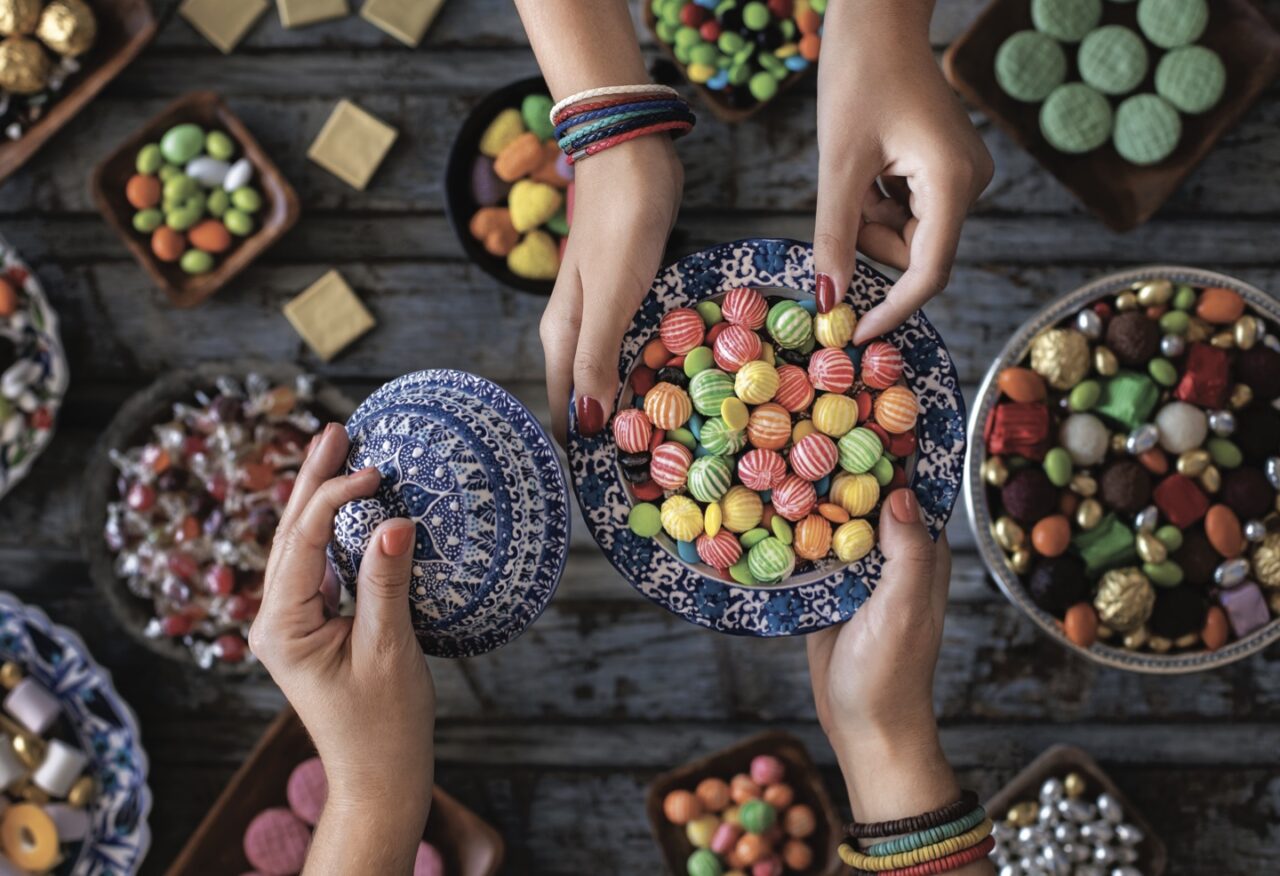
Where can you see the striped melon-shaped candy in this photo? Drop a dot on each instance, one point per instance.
(835, 414)
(835, 327)
(881, 365)
(790, 325)
(795, 392)
(830, 368)
(896, 409)
(814, 456)
(741, 509)
(719, 439)
(812, 537)
(719, 551)
(709, 478)
(769, 427)
(681, 518)
(853, 540)
(667, 406)
(756, 382)
(735, 347)
(794, 498)
(709, 389)
(744, 307)
(762, 469)
(855, 493)
(669, 466)
(681, 329)
(632, 430)
(859, 450)
(770, 561)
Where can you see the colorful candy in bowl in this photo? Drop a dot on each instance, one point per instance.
(739, 482)
(1124, 478)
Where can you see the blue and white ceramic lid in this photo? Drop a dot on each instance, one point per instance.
(468, 463)
(832, 592)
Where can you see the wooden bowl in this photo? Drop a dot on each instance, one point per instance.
(802, 776)
(1121, 194)
(124, 29)
(469, 846)
(279, 212)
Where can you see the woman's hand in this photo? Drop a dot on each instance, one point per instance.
(884, 111)
(360, 684)
(625, 203)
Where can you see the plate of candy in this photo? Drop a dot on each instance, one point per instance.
(182, 499)
(76, 799)
(1124, 470)
(739, 482)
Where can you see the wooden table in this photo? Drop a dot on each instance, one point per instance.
(554, 737)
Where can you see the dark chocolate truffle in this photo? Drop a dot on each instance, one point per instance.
(1257, 432)
(1057, 583)
(1125, 486)
(1259, 368)
(1196, 558)
(1028, 496)
(1178, 611)
(1133, 338)
(1247, 492)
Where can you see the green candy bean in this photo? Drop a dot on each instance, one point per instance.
(781, 529)
(1084, 395)
(1166, 574)
(1170, 536)
(882, 471)
(744, 54)
(147, 221)
(730, 43)
(698, 359)
(763, 86)
(740, 573)
(183, 218)
(645, 520)
(666, 31)
(724, 6)
(671, 14)
(788, 27)
(218, 202)
(687, 38)
(181, 143)
(238, 222)
(1175, 322)
(681, 53)
(220, 146)
(195, 261)
(150, 159)
(1184, 298)
(773, 66)
(180, 187)
(710, 312)
(168, 172)
(753, 537)
(683, 436)
(818, 6)
(739, 74)
(1057, 465)
(247, 199)
(1163, 372)
(1225, 454)
(703, 53)
(756, 15)
(559, 223)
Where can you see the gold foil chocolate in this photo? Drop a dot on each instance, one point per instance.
(1125, 599)
(24, 66)
(1061, 357)
(1073, 785)
(10, 674)
(994, 471)
(68, 27)
(1266, 561)
(19, 16)
(1105, 362)
(1154, 292)
(82, 792)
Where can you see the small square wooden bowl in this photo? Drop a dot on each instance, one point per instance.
(1123, 195)
(279, 212)
(469, 846)
(1059, 760)
(802, 776)
(124, 29)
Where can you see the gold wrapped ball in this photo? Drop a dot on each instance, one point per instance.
(19, 17)
(29, 749)
(10, 674)
(82, 792)
(1074, 785)
(1061, 357)
(1266, 561)
(24, 66)
(681, 518)
(1125, 599)
(835, 327)
(68, 27)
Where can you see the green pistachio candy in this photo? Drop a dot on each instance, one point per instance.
(1175, 322)
(739, 73)
(755, 15)
(246, 198)
(683, 436)
(1163, 372)
(180, 187)
(181, 143)
(220, 146)
(666, 31)
(730, 43)
(147, 221)
(710, 312)
(1225, 454)
(150, 159)
(183, 218)
(168, 172)
(698, 359)
(238, 222)
(218, 202)
(882, 471)
(1166, 574)
(1184, 298)
(1170, 536)
(742, 574)
(195, 261)
(781, 529)
(775, 67)
(645, 520)
(1084, 395)
(763, 86)
(753, 537)
(1057, 465)
(703, 53)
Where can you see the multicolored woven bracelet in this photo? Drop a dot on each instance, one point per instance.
(928, 837)
(941, 865)
(576, 142)
(876, 830)
(592, 105)
(647, 106)
(677, 129)
(610, 91)
(881, 864)
(653, 115)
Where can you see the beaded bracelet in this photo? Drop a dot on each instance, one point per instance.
(966, 840)
(928, 837)
(941, 865)
(649, 106)
(968, 801)
(609, 91)
(579, 108)
(619, 124)
(677, 129)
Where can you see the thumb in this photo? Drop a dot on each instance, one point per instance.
(595, 362)
(843, 185)
(382, 591)
(910, 557)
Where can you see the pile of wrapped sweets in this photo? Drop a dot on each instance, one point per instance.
(39, 51)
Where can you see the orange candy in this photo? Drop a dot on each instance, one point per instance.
(799, 821)
(1022, 385)
(1081, 624)
(1051, 536)
(211, 236)
(8, 298)
(742, 789)
(769, 426)
(1154, 461)
(810, 46)
(492, 227)
(681, 807)
(1220, 306)
(142, 192)
(797, 856)
(167, 244)
(897, 409)
(779, 796)
(713, 794)
(808, 21)
(1068, 503)
(519, 158)
(546, 172)
(751, 848)
(1215, 628)
(833, 512)
(655, 354)
(1223, 528)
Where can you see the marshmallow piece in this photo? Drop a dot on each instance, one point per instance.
(11, 768)
(239, 176)
(33, 706)
(72, 823)
(209, 172)
(61, 767)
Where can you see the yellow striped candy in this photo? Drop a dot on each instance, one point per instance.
(734, 413)
(756, 382)
(741, 509)
(712, 519)
(855, 493)
(835, 328)
(668, 406)
(682, 518)
(833, 414)
(853, 540)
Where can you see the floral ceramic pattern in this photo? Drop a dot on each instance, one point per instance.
(476, 473)
(696, 592)
(105, 728)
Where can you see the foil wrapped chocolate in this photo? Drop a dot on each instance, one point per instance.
(19, 17)
(1061, 357)
(1266, 561)
(68, 27)
(24, 66)
(1124, 599)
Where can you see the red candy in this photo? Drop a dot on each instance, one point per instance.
(795, 393)
(632, 430)
(1018, 429)
(794, 498)
(720, 551)
(1180, 500)
(647, 491)
(681, 330)
(831, 369)
(761, 469)
(744, 307)
(735, 346)
(902, 445)
(1206, 381)
(866, 404)
(714, 332)
(670, 465)
(814, 456)
(881, 365)
(643, 379)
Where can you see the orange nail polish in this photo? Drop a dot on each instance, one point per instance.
(396, 541)
(905, 507)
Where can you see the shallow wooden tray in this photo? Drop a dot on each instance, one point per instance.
(124, 29)
(1121, 194)
(279, 212)
(469, 846)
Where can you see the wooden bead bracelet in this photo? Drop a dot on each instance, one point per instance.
(928, 837)
(938, 850)
(875, 830)
(941, 865)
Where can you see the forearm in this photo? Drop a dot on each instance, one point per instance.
(374, 838)
(583, 44)
(883, 21)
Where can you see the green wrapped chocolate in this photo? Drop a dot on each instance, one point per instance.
(708, 390)
(1106, 546)
(1029, 65)
(709, 478)
(1147, 129)
(1128, 399)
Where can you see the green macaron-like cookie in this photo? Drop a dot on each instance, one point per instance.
(1066, 20)
(1173, 23)
(1029, 65)
(1075, 118)
(1147, 129)
(1191, 78)
(1113, 59)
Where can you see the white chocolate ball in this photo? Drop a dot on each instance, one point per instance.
(1085, 438)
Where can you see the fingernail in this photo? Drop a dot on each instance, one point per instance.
(315, 439)
(824, 291)
(904, 506)
(396, 541)
(590, 415)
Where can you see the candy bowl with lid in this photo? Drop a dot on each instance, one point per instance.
(1124, 470)
(739, 482)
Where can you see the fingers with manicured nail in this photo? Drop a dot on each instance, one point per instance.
(382, 590)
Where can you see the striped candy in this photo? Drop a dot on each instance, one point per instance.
(795, 392)
(667, 406)
(681, 330)
(831, 369)
(761, 469)
(770, 560)
(744, 307)
(681, 518)
(814, 457)
(790, 325)
(794, 498)
(835, 414)
(719, 551)
(632, 430)
(756, 382)
(741, 509)
(859, 450)
(812, 537)
(709, 478)
(896, 409)
(709, 389)
(735, 346)
(835, 327)
(855, 493)
(769, 427)
(881, 365)
(670, 465)
(853, 540)
(719, 439)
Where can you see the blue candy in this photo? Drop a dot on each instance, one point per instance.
(719, 81)
(638, 402)
(701, 451)
(695, 425)
(766, 496)
(823, 486)
(796, 63)
(810, 305)
(687, 551)
(855, 356)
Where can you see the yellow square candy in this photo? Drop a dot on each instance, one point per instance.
(223, 22)
(300, 13)
(328, 315)
(352, 144)
(406, 20)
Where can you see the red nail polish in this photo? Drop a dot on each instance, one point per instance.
(590, 415)
(824, 291)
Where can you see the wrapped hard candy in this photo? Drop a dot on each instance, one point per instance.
(669, 466)
(794, 498)
(795, 392)
(853, 540)
(681, 518)
(897, 409)
(667, 406)
(756, 383)
(708, 389)
(719, 551)
(762, 469)
(882, 365)
(709, 478)
(632, 430)
(812, 537)
(741, 509)
(814, 456)
(835, 327)
(735, 346)
(831, 369)
(744, 307)
(681, 330)
(770, 426)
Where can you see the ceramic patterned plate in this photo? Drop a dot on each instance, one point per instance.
(463, 459)
(832, 592)
(105, 729)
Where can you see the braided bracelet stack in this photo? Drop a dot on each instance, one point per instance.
(594, 120)
(945, 839)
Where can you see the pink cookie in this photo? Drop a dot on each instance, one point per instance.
(307, 790)
(428, 861)
(276, 842)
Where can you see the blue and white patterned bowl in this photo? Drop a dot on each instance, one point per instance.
(832, 592)
(463, 459)
(104, 728)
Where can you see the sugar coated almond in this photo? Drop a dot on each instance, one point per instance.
(1220, 306)
(1223, 529)
(1022, 385)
